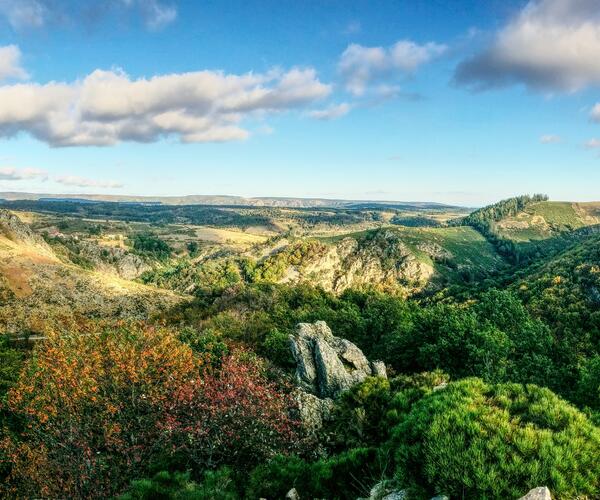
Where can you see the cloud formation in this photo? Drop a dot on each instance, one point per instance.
(362, 66)
(16, 174)
(24, 13)
(330, 113)
(550, 139)
(108, 107)
(550, 45)
(595, 113)
(10, 63)
(593, 144)
(73, 180)
(31, 14)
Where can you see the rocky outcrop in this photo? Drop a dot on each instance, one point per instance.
(384, 491)
(15, 230)
(541, 493)
(382, 259)
(327, 365)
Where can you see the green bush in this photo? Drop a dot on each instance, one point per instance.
(474, 440)
(216, 485)
(348, 475)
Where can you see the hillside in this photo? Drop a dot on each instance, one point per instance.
(400, 259)
(36, 285)
(546, 219)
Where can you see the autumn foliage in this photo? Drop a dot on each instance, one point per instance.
(97, 409)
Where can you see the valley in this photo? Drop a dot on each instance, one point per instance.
(338, 336)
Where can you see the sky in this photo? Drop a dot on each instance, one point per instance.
(462, 102)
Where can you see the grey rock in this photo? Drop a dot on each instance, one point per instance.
(292, 495)
(541, 493)
(313, 411)
(378, 369)
(327, 365)
(396, 495)
(440, 497)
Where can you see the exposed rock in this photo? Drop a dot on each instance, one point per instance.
(396, 495)
(292, 495)
(107, 259)
(313, 411)
(384, 490)
(327, 365)
(541, 493)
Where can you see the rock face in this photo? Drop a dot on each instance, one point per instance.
(327, 365)
(384, 260)
(17, 231)
(541, 493)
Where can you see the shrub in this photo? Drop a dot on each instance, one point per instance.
(347, 475)
(101, 408)
(476, 440)
(217, 485)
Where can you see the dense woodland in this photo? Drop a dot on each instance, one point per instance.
(493, 384)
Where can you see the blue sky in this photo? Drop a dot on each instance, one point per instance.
(461, 102)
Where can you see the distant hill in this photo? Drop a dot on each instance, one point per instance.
(225, 200)
(546, 219)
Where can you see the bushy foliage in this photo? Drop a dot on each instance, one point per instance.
(150, 244)
(99, 408)
(477, 440)
(216, 485)
(347, 475)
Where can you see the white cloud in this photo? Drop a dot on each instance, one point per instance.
(16, 174)
(551, 45)
(361, 66)
(550, 139)
(593, 144)
(29, 14)
(156, 14)
(331, 112)
(10, 63)
(108, 107)
(595, 113)
(73, 180)
(24, 13)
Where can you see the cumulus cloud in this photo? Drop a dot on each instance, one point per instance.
(73, 180)
(362, 66)
(108, 107)
(595, 113)
(550, 45)
(16, 174)
(10, 63)
(550, 139)
(593, 144)
(30, 14)
(331, 112)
